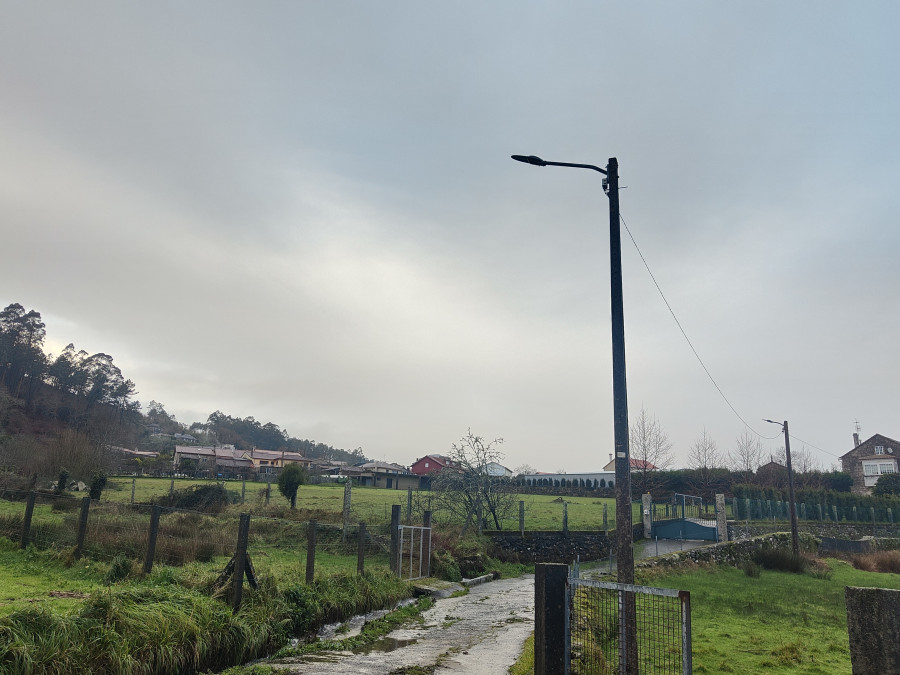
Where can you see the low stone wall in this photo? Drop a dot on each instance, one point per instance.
(738, 529)
(729, 552)
(873, 624)
(555, 546)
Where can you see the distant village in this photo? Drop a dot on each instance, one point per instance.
(865, 463)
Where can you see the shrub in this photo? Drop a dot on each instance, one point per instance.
(443, 566)
(206, 498)
(887, 562)
(751, 569)
(781, 560)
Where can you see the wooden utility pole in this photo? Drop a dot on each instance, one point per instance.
(795, 537)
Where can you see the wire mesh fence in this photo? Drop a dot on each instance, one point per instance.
(599, 618)
(174, 537)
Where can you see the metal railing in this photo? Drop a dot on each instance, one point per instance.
(415, 552)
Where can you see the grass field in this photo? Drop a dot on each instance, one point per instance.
(373, 505)
(776, 623)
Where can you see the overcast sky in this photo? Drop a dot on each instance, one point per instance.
(306, 212)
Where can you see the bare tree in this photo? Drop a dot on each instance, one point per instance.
(747, 455)
(651, 448)
(467, 483)
(704, 458)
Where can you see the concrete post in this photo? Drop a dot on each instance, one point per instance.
(426, 543)
(835, 512)
(721, 520)
(551, 621)
(605, 518)
(646, 509)
(565, 518)
(890, 516)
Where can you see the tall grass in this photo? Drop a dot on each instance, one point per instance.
(160, 627)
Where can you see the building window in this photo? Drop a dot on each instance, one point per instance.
(879, 449)
(886, 468)
(426, 465)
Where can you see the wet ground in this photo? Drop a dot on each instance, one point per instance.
(482, 632)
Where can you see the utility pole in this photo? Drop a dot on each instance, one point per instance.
(624, 535)
(792, 503)
(795, 538)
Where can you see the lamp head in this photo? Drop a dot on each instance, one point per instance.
(530, 159)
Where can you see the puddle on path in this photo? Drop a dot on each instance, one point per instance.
(386, 644)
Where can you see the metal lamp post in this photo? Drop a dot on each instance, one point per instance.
(624, 535)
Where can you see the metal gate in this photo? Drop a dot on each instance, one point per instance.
(415, 552)
(685, 517)
(599, 642)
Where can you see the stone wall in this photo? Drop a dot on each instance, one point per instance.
(738, 529)
(873, 624)
(554, 545)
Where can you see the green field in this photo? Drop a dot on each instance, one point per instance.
(373, 505)
(776, 623)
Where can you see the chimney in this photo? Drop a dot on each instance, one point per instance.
(855, 439)
(610, 457)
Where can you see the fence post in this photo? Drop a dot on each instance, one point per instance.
(346, 511)
(409, 506)
(172, 487)
(820, 511)
(522, 518)
(82, 525)
(133, 483)
(890, 515)
(311, 552)
(479, 513)
(26, 524)
(151, 539)
(606, 517)
(240, 561)
(565, 517)
(268, 487)
(835, 511)
(551, 621)
(687, 665)
(395, 539)
(426, 553)
(361, 549)
(243, 489)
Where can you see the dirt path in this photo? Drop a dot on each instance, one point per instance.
(482, 632)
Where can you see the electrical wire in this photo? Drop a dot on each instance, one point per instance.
(688, 340)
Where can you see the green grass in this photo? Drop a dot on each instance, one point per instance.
(524, 665)
(776, 623)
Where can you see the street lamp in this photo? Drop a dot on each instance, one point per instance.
(795, 538)
(624, 535)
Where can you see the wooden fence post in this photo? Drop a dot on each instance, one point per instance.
(395, 539)
(26, 524)
(151, 539)
(347, 501)
(243, 489)
(361, 549)
(240, 561)
(82, 526)
(311, 552)
(565, 518)
(268, 487)
(172, 488)
(133, 483)
(409, 506)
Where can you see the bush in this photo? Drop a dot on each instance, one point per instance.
(781, 560)
(206, 498)
(886, 562)
(443, 566)
(751, 569)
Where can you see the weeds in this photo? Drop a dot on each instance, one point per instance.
(887, 562)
